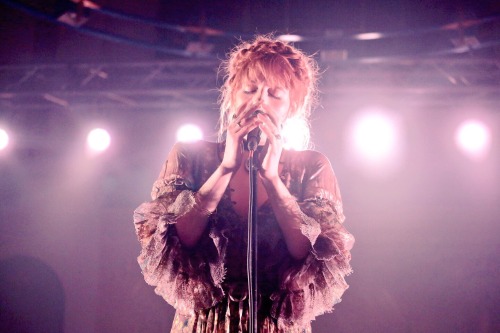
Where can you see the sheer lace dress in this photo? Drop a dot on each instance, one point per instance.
(207, 284)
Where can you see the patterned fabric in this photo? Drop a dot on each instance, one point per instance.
(207, 284)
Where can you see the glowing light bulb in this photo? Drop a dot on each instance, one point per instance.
(189, 133)
(4, 139)
(375, 137)
(98, 139)
(295, 134)
(473, 138)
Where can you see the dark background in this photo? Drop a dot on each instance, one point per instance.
(426, 253)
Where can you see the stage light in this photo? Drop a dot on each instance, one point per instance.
(295, 134)
(189, 133)
(375, 137)
(473, 138)
(98, 140)
(4, 139)
(369, 36)
(290, 38)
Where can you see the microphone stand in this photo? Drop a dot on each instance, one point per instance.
(252, 241)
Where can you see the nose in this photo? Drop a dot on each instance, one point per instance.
(262, 95)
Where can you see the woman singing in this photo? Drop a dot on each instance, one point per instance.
(193, 233)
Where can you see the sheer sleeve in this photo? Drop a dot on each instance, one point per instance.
(312, 286)
(188, 279)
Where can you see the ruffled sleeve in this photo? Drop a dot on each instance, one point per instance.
(312, 286)
(187, 278)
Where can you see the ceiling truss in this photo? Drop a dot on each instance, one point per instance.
(193, 84)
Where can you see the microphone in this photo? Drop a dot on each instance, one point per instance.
(253, 137)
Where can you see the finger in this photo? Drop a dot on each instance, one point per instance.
(246, 121)
(269, 128)
(244, 112)
(238, 125)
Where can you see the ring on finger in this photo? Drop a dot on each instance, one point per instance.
(239, 123)
(277, 136)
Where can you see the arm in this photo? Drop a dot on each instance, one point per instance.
(191, 225)
(187, 278)
(285, 208)
(312, 286)
(288, 216)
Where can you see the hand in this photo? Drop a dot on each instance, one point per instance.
(269, 169)
(242, 123)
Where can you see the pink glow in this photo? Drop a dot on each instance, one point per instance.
(473, 138)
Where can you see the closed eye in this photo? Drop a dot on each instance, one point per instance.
(250, 89)
(276, 93)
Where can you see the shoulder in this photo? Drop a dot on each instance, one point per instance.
(306, 158)
(189, 158)
(316, 171)
(196, 147)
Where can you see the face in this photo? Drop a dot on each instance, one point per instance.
(259, 95)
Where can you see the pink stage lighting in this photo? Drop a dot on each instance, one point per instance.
(473, 138)
(376, 142)
(98, 140)
(375, 137)
(295, 134)
(4, 139)
(189, 133)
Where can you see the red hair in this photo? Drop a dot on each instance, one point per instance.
(277, 62)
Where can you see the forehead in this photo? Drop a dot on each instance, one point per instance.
(274, 73)
(274, 84)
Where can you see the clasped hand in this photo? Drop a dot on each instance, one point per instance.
(242, 123)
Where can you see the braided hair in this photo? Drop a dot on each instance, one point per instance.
(277, 62)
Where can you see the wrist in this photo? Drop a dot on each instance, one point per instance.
(200, 207)
(273, 181)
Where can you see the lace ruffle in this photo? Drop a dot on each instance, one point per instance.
(191, 280)
(313, 286)
(188, 279)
